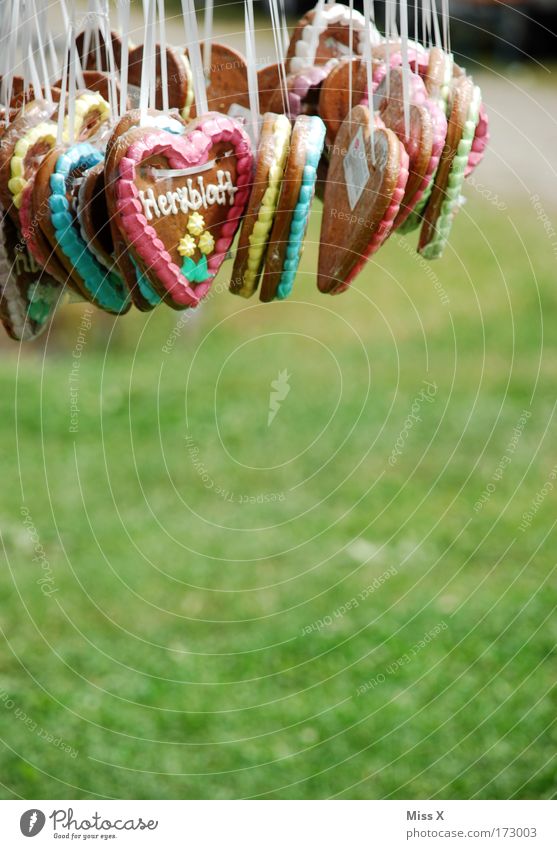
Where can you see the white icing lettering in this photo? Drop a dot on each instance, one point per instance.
(190, 197)
(149, 202)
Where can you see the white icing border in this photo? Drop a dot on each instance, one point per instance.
(337, 13)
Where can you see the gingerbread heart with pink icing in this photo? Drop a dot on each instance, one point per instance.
(179, 201)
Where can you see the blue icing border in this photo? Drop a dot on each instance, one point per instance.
(300, 216)
(105, 287)
(145, 288)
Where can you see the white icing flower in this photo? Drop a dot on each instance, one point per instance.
(196, 224)
(186, 246)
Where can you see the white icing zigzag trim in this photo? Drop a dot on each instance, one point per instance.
(337, 13)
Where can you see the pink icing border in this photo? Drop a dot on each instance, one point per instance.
(479, 145)
(419, 97)
(385, 226)
(28, 229)
(439, 122)
(185, 151)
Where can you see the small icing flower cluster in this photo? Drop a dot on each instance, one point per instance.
(196, 227)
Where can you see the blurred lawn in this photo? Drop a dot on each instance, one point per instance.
(171, 652)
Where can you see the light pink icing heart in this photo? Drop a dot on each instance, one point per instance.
(182, 152)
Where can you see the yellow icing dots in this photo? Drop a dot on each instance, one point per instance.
(46, 133)
(259, 236)
(196, 224)
(186, 246)
(84, 104)
(206, 243)
(189, 94)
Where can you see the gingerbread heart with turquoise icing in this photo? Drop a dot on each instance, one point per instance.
(56, 188)
(179, 201)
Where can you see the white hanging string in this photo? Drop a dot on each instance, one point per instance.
(42, 56)
(111, 64)
(350, 55)
(24, 50)
(71, 82)
(277, 38)
(207, 39)
(65, 18)
(405, 66)
(426, 23)
(446, 26)
(367, 58)
(62, 102)
(145, 69)
(150, 56)
(124, 21)
(253, 90)
(284, 28)
(163, 55)
(194, 51)
(388, 37)
(435, 20)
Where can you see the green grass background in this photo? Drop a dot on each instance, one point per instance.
(172, 656)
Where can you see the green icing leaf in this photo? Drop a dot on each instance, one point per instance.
(196, 272)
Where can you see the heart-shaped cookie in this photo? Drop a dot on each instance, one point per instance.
(28, 295)
(97, 58)
(57, 184)
(144, 297)
(325, 32)
(389, 101)
(264, 191)
(445, 195)
(362, 198)
(302, 91)
(179, 202)
(480, 142)
(293, 208)
(180, 91)
(227, 87)
(334, 96)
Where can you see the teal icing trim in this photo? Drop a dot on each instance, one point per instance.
(300, 217)
(105, 287)
(145, 288)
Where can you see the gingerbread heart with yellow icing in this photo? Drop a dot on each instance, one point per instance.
(179, 200)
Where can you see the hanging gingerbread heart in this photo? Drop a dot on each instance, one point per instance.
(362, 198)
(418, 142)
(302, 91)
(180, 91)
(180, 200)
(334, 96)
(56, 186)
(227, 86)
(144, 297)
(92, 52)
(28, 294)
(324, 34)
(444, 201)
